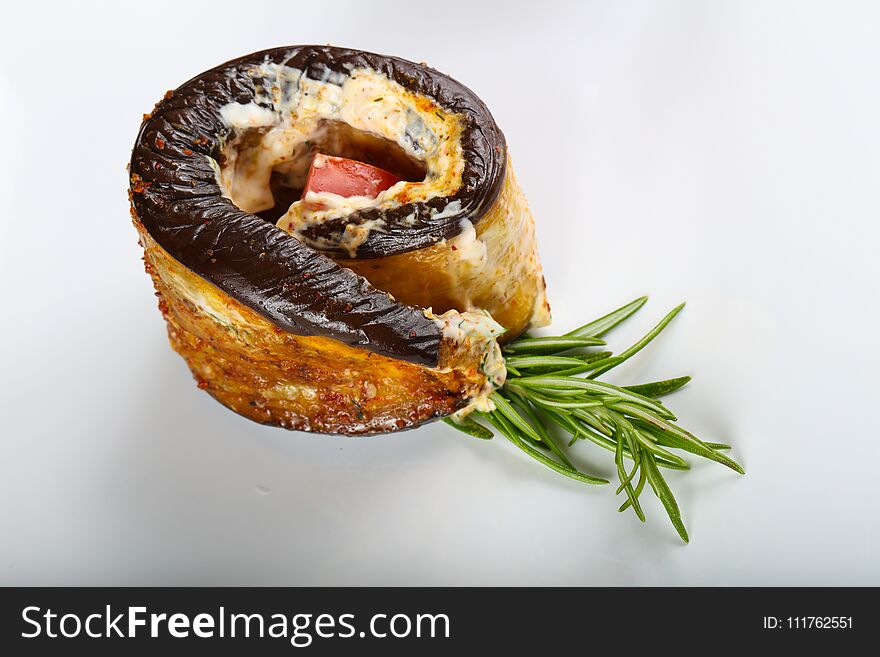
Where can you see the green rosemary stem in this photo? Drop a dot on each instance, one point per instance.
(544, 396)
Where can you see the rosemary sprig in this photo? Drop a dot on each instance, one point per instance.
(544, 395)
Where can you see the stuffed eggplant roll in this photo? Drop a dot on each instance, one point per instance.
(337, 239)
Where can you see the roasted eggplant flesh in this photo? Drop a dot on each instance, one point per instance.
(315, 311)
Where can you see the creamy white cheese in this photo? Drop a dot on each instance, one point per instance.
(251, 115)
(468, 247)
(478, 333)
(356, 234)
(294, 113)
(472, 325)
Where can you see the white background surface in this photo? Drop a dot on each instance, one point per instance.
(726, 153)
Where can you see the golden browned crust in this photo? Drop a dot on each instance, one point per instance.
(310, 383)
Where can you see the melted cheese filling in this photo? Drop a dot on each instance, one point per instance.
(477, 332)
(293, 116)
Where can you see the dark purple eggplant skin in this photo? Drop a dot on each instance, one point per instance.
(175, 195)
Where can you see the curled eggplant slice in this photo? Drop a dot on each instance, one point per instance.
(369, 306)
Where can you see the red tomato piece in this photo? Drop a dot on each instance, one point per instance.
(339, 175)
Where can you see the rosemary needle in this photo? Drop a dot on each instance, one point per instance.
(543, 394)
(604, 324)
(659, 388)
(551, 345)
(468, 426)
(641, 344)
